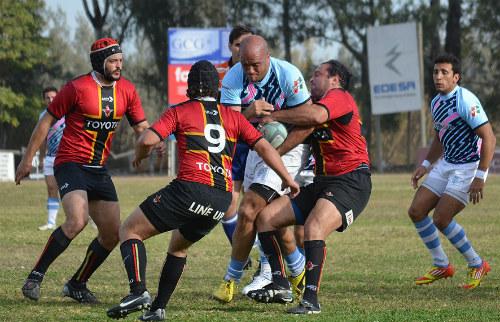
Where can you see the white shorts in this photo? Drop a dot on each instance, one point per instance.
(48, 166)
(305, 178)
(257, 171)
(451, 179)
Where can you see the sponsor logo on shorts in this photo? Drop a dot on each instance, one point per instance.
(349, 217)
(329, 194)
(64, 186)
(310, 266)
(199, 209)
(157, 199)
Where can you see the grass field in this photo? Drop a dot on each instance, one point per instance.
(368, 274)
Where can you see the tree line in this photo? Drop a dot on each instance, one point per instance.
(37, 49)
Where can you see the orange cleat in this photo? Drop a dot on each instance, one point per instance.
(436, 273)
(476, 274)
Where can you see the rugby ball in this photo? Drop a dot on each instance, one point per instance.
(274, 132)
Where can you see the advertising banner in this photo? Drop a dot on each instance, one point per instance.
(187, 46)
(395, 62)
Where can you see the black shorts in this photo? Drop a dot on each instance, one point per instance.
(96, 181)
(349, 192)
(267, 193)
(193, 208)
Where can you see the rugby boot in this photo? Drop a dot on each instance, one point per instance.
(79, 293)
(434, 274)
(305, 307)
(272, 293)
(225, 292)
(31, 289)
(476, 274)
(298, 283)
(260, 279)
(129, 304)
(156, 315)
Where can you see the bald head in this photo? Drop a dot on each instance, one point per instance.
(254, 57)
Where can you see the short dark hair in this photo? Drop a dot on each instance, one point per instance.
(239, 31)
(49, 89)
(337, 68)
(447, 58)
(203, 80)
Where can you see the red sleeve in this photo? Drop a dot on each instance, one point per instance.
(166, 124)
(64, 101)
(337, 104)
(135, 112)
(248, 133)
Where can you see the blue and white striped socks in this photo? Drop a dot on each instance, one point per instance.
(234, 270)
(295, 262)
(456, 235)
(430, 236)
(52, 208)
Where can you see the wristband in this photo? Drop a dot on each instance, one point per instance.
(481, 174)
(426, 164)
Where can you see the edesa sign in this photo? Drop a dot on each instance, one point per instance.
(395, 68)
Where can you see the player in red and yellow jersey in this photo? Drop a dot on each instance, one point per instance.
(193, 203)
(93, 105)
(339, 193)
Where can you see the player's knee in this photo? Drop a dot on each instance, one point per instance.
(261, 222)
(109, 241)
(246, 214)
(441, 222)
(415, 213)
(73, 226)
(124, 232)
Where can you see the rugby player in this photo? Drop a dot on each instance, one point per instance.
(93, 105)
(256, 86)
(339, 193)
(193, 203)
(462, 151)
(48, 152)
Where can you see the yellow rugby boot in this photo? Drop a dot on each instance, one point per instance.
(225, 292)
(298, 283)
(476, 274)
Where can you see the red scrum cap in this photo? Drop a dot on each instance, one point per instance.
(102, 49)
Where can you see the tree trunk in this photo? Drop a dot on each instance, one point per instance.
(453, 28)
(287, 36)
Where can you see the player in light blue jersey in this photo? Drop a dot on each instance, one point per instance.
(256, 86)
(463, 147)
(47, 155)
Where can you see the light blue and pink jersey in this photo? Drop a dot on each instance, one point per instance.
(456, 115)
(283, 87)
(54, 136)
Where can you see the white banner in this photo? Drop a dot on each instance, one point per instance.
(7, 166)
(394, 67)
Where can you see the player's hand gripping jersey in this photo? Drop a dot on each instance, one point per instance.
(92, 116)
(206, 134)
(283, 87)
(456, 116)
